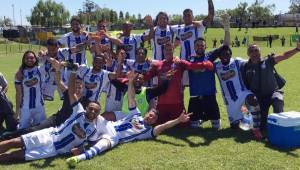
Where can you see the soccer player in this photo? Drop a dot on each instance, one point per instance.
(170, 104)
(132, 42)
(114, 97)
(186, 34)
(55, 140)
(259, 77)
(77, 39)
(234, 92)
(203, 102)
(102, 38)
(95, 78)
(29, 98)
(53, 51)
(6, 111)
(131, 127)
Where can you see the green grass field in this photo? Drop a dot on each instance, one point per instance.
(201, 148)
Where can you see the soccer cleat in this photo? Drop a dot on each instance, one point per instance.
(257, 134)
(72, 161)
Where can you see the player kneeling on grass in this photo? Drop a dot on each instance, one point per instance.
(79, 127)
(132, 127)
(234, 92)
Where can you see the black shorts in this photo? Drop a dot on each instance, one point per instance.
(204, 108)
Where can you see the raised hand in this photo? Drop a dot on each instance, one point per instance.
(131, 76)
(225, 20)
(184, 117)
(55, 64)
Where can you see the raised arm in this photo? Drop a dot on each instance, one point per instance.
(226, 25)
(211, 13)
(287, 54)
(57, 66)
(131, 91)
(181, 119)
(196, 66)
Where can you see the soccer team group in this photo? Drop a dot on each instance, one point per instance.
(144, 96)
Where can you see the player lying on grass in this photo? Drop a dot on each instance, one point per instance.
(131, 127)
(62, 114)
(55, 140)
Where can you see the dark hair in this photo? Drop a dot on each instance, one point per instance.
(52, 42)
(161, 13)
(23, 66)
(224, 48)
(199, 39)
(141, 48)
(102, 21)
(75, 18)
(187, 10)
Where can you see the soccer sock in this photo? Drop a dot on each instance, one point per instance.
(99, 147)
(255, 112)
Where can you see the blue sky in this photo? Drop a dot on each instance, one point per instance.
(152, 7)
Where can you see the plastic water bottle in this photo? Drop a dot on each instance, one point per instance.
(247, 121)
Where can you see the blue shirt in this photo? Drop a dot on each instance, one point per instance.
(202, 82)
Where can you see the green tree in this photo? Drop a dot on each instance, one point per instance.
(295, 6)
(127, 16)
(259, 12)
(121, 16)
(5, 22)
(48, 13)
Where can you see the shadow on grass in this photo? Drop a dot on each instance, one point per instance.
(45, 164)
(288, 151)
(208, 134)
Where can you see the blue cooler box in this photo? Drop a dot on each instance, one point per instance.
(284, 129)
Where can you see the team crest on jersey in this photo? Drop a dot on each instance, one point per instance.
(128, 47)
(163, 40)
(227, 75)
(135, 122)
(186, 35)
(78, 131)
(90, 86)
(31, 82)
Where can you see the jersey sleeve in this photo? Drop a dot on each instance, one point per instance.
(82, 70)
(64, 54)
(130, 63)
(139, 38)
(3, 82)
(106, 80)
(63, 40)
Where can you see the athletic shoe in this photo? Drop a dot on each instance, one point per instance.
(72, 162)
(257, 134)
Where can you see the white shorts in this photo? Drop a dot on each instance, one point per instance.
(31, 117)
(48, 91)
(113, 105)
(234, 108)
(185, 78)
(39, 145)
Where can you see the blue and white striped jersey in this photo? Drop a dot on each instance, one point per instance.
(132, 127)
(161, 37)
(230, 79)
(141, 68)
(94, 83)
(74, 131)
(70, 40)
(32, 87)
(187, 34)
(131, 43)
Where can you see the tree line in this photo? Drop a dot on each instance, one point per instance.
(48, 13)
